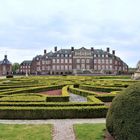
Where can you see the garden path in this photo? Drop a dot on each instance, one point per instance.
(77, 98)
(63, 128)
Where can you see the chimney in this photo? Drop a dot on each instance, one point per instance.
(45, 51)
(72, 49)
(5, 56)
(108, 50)
(55, 48)
(113, 52)
(92, 49)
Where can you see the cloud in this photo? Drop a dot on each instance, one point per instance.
(32, 25)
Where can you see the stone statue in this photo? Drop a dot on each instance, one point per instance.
(136, 75)
(138, 66)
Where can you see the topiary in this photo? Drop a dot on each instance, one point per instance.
(123, 117)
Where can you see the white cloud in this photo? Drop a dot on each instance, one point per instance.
(32, 25)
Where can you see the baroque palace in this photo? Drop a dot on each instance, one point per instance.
(74, 61)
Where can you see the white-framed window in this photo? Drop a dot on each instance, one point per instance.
(102, 55)
(87, 60)
(62, 60)
(70, 55)
(110, 61)
(70, 60)
(99, 61)
(94, 55)
(106, 55)
(107, 67)
(66, 67)
(66, 60)
(43, 62)
(95, 60)
(83, 61)
(78, 60)
(57, 60)
(57, 55)
(110, 67)
(53, 60)
(66, 55)
(103, 61)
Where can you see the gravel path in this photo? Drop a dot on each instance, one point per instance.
(63, 128)
(77, 98)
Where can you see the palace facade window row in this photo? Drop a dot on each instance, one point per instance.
(71, 60)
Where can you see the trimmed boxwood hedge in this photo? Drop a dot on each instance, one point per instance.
(48, 104)
(52, 112)
(94, 100)
(81, 92)
(59, 98)
(32, 89)
(101, 89)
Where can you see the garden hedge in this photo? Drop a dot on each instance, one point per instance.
(52, 112)
(123, 118)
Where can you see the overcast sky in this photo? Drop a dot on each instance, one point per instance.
(27, 27)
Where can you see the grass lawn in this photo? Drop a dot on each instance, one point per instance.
(89, 131)
(25, 132)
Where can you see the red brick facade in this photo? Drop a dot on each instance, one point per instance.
(68, 61)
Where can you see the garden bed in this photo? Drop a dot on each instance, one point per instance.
(52, 92)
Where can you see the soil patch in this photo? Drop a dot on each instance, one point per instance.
(52, 92)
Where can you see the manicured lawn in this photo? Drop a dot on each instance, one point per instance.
(89, 131)
(25, 132)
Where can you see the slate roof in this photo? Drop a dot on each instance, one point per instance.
(26, 62)
(5, 61)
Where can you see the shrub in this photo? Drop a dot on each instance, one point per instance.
(100, 88)
(81, 92)
(52, 112)
(107, 97)
(123, 118)
(60, 98)
(94, 100)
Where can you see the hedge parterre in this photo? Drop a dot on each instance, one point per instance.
(20, 98)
